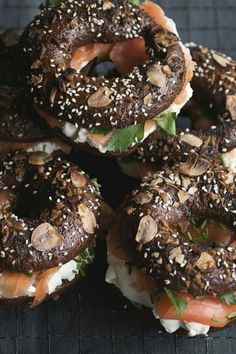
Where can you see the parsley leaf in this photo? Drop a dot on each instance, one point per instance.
(85, 258)
(129, 265)
(167, 122)
(179, 304)
(96, 184)
(230, 299)
(135, 2)
(231, 315)
(215, 319)
(123, 138)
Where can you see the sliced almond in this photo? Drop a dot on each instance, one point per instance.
(88, 219)
(195, 166)
(191, 140)
(165, 39)
(186, 182)
(166, 69)
(74, 22)
(183, 196)
(147, 230)
(219, 59)
(229, 159)
(156, 75)
(107, 5)
(205, 261)
(143, 198)
(231, 105)
(192, 190)
(45, 237)
(39, 158)
(147, 99)
(177, 255)
(100, 98)
(36, 64)
(78, 179)
(36, 79)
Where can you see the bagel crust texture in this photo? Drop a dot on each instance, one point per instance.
(50, 41)
(50, 211)
(214, 81)
(149, 224)
(19, 122)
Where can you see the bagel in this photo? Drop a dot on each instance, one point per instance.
(103, 115)
(50, 217)
(173, 271)
(214, 86)
(20, 127)
(214, 81)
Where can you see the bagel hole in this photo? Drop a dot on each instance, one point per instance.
(29, 204)
(106, 69)
(208, 232)
(195, 116)
(110, 59)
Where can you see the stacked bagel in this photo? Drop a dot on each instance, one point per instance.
(59, 101)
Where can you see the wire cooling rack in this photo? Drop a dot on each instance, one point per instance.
(93, 318)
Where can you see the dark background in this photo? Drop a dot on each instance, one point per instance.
(93, 318)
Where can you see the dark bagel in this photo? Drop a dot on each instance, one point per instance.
(214, 81)
(150, 234)
(214, 84)
(48, 45)
(209, 144)
(21, 127)
(18, 120)
(59, 211)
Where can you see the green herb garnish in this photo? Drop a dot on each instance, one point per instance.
(123, 138)
(96, 184)
(129, 265)
(230, 299)
(215, 319)
(28, 274)
(167, 122)
(231, 315)
(199, 226)
(223, 227)
(178, 302)
(85, 258)
(135, 2)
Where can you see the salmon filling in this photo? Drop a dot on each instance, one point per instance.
(38, 285)
(196, 315)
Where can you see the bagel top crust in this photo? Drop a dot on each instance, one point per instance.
(214, 81)
(48, 45)
(18, 120)
(209, 144)
(149, 224)
(54, 213)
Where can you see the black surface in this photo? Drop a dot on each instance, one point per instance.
(93, 318)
